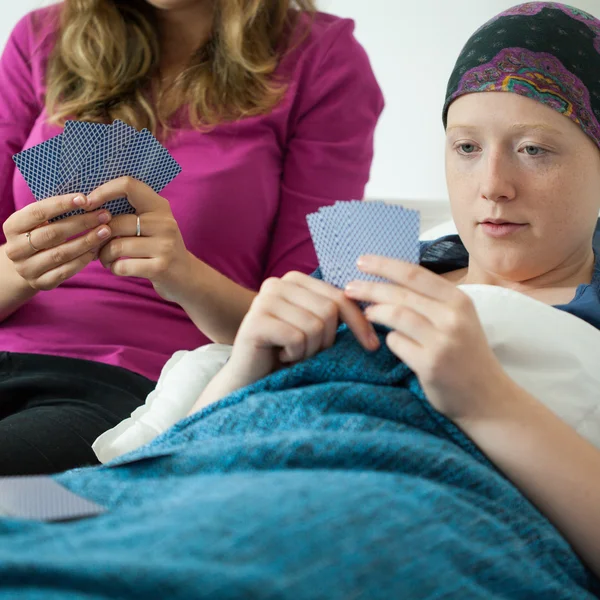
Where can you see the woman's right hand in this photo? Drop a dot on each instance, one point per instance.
(53, 252)
(292, 319)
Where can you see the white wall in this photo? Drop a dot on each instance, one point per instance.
(413, 46)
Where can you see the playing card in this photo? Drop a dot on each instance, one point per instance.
(79, 139)
(382, 230)
(324, 242)
(88, 155)
(40, 166)
(145, 158)
(41, 498)
(344, 232)
(91, 173)
(125, 152)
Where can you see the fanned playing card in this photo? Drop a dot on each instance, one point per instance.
(40, 167)
(78, 140)
(40, 498)
(347, 230)
(87, 155)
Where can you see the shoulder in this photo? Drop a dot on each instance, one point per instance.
(35, 33)
(320, 36)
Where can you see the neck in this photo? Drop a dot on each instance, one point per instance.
(577, 270)
(183, 31)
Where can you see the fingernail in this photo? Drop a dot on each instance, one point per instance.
(103, 233)
(352, 287)
(79, 200)
(104, 217)
(364, 261)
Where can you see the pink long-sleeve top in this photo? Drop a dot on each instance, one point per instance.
(240, 201)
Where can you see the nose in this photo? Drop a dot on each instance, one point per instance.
(498, 178)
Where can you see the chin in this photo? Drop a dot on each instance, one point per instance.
(171, 4)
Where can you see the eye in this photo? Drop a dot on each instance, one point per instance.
(466, 148)
(531, 150)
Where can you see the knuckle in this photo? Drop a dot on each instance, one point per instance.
(12, 253)
(462, 302)
(398, 313)
(7, 226)
(38, 212)
(61, 275)
(314, 326)
(167, 246)
(297, 338)
(330, 310)
(116, 247)
(337, 297)
(413, 274)
(57, 256)
(65, 203)
(128, 184)
(270, 285)
(292, 276)
(22, 271)
(161, 265)
(48, 236)
(40, 285)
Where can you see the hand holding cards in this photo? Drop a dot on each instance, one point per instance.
(347, 230)
(87, 155)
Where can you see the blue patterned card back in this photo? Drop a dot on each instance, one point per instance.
(79, 140)
(139, 155)
(39, 166)
(347, 230)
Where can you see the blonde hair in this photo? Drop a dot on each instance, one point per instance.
(107, 55)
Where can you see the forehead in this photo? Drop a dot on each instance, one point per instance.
(503, 107)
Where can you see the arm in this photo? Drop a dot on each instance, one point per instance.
(19, 107)
(548, 461)
(214, 303)
(15, 291)
(437, 333)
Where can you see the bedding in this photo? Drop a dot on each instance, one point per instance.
(332, 479)
(550, 353)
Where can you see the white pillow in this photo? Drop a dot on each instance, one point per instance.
(446, 228)
(550, 353)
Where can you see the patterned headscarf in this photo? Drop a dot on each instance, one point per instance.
(543, 50)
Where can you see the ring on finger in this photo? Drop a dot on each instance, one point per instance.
(138, 227)
(28, 236)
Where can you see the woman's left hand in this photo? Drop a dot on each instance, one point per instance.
(158, 253)
(437, 333)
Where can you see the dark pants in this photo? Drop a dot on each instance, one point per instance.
(52, 409)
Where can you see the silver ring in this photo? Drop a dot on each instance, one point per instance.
(28, 236)
(138, 227)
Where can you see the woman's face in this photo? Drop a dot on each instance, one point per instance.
(513, 160)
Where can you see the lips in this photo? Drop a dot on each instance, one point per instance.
(498, 228)
(500, 222)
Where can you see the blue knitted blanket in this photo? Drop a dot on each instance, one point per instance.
(332, 479)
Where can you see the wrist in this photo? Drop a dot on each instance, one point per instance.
(177, 283)
(504, 404)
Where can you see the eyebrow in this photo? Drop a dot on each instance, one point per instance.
(516, 127)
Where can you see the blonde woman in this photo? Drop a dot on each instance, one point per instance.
(268, 106)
